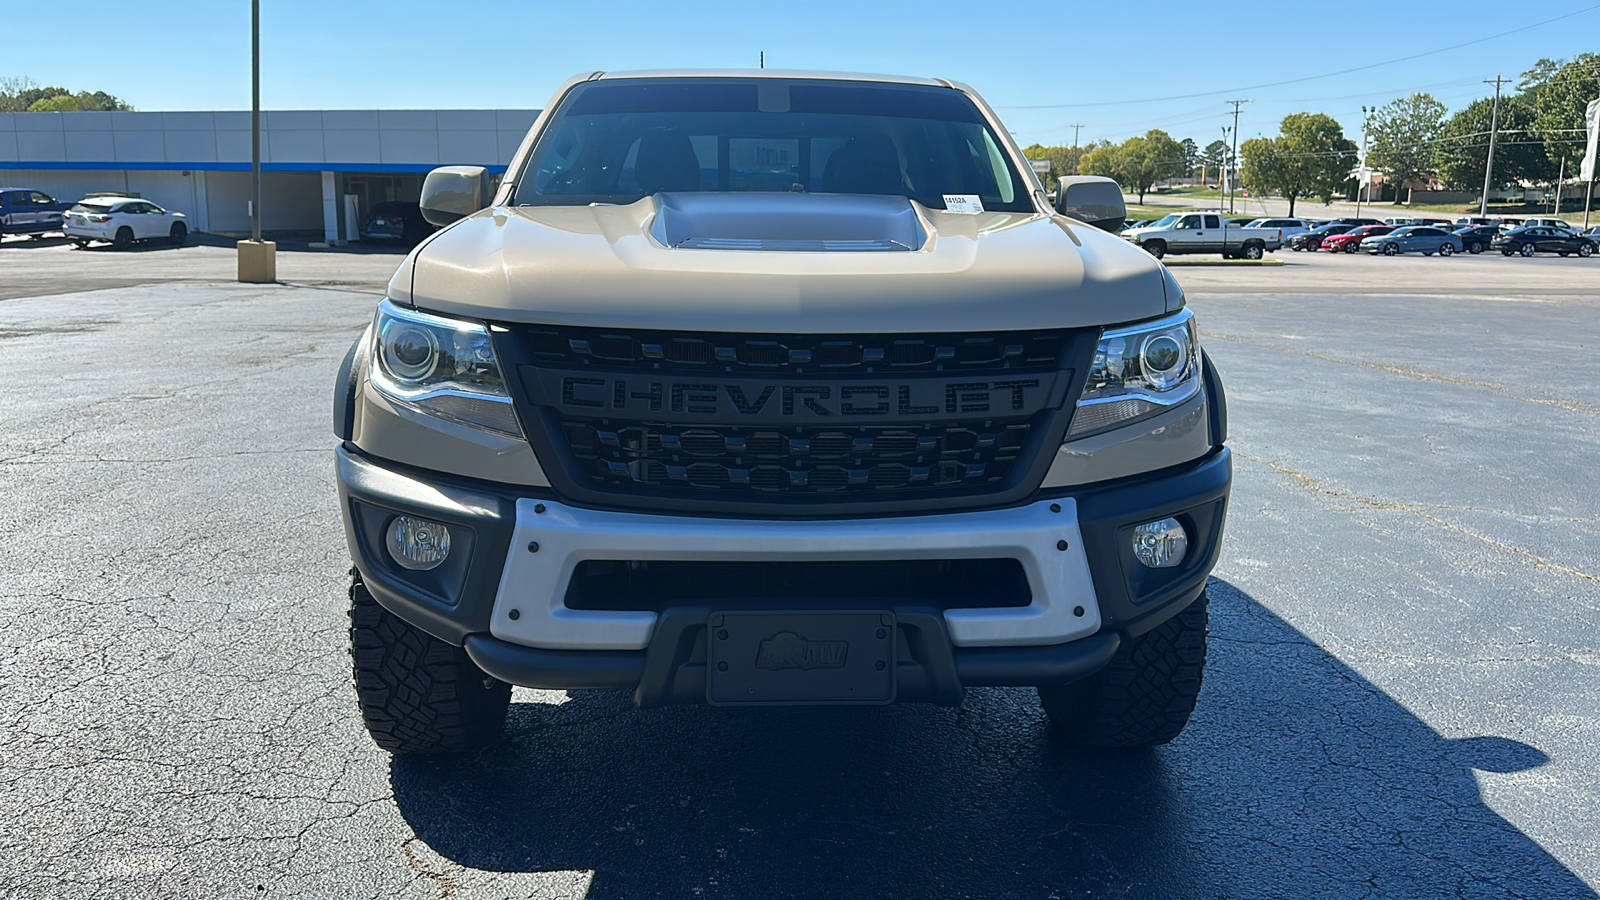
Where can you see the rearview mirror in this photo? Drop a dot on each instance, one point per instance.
(1092, 199)
(453, 192)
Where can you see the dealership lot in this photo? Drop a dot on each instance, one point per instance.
(1400, 699)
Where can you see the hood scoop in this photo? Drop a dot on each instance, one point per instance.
(793, 222)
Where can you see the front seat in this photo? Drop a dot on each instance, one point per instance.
(868, 164)
(666, 163)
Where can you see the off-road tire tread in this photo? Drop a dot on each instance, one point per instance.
(1144, 696)
(418, 694)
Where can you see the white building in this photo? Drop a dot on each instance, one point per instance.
(321, 170)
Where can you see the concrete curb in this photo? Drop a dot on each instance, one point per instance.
(1222, 262)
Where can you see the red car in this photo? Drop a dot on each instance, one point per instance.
(1350, 241)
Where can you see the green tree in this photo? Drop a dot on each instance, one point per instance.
(1215, 157)
(1105, 160)
(1463, 145)
(1143, 161)
(1402, 136)
(1310, 158)
(1060, 161)
(1191, 156)
(25, 95)
(1559, 93)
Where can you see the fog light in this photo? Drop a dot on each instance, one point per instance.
(418, 543)
(1160, 545)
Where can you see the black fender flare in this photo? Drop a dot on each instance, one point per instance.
(1216, 400)
(344, 390)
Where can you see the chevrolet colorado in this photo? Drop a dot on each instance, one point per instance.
(777, 388)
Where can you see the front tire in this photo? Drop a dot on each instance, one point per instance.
(1391, 250)
(1157, 249)
(417, 693)
(1527, 249)
(1144, 696)
(179, 234)
(1313, 245)
(124, 238)
(1585, 250)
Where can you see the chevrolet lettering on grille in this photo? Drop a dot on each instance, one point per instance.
(751, 401)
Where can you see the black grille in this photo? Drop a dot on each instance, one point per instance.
(795, 460)
(675, 420)
(989, 352)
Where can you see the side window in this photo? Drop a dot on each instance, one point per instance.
(41, 199)
(1213, 222)
(1188, 222)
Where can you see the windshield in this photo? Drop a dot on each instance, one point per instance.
(619, 141)
(1165, 221)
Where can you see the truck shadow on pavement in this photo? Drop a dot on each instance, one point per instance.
(1297, 778)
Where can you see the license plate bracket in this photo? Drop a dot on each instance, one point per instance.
(795, 658)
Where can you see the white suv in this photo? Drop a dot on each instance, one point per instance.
(122, 220)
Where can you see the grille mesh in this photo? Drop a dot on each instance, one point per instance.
(795, 460)
(990, 352)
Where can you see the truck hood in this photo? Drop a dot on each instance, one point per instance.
(611, 266)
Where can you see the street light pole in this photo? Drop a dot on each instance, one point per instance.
(258, 259)
(255, 120)
(1075, 155)
(1223, 181)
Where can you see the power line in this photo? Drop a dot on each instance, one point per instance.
(1257, 87)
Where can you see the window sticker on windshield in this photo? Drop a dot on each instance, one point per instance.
(965, 204)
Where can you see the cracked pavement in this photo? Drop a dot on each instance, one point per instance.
(1400, 698)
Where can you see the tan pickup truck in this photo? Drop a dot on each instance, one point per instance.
(750, 388)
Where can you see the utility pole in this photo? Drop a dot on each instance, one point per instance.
(1494, 126)
(763, 63)
(1075, 155)
(1362, 179)
(1233, 158)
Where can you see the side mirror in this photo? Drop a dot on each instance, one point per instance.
(453, 192)
(1092, 199)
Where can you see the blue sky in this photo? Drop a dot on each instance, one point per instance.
(195, 54)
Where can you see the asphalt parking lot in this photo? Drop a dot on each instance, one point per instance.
(1400, 699)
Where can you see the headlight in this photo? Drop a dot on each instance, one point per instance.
(441, 367)
(1137, 372)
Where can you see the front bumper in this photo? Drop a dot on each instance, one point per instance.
(507, 603)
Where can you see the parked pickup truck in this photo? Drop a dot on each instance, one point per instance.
(25, 211)
(847, 414)
(1204, 232)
